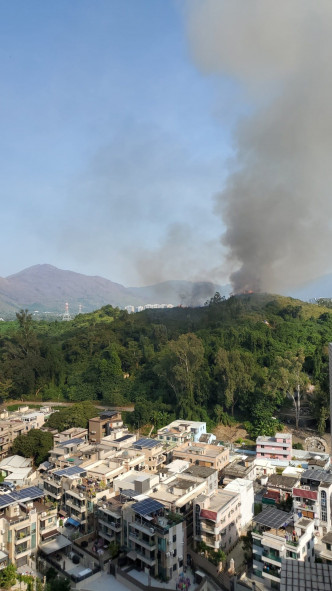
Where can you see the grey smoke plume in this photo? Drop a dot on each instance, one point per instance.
(277, 202)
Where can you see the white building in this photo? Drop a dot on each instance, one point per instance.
(245, 488)
(276, 537)
(180, 431)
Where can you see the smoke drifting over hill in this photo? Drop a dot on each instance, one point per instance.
(276, 203)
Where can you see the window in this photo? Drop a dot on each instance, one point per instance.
(174, 538)
(323, 513)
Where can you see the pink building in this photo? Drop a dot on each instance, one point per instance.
(277, 448)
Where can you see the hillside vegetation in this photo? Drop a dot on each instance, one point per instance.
(244, 356)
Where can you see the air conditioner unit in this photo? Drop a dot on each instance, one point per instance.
(104, 506)
(44, 514)
(3, 531)
(168, 554)
(113, 523)
(152, 530)
(81, 495)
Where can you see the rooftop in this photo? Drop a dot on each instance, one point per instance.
(200, 471)
(282, 481)
(318, 475)
(273, 518)
(301, 576)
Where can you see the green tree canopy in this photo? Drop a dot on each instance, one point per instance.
(35, 444)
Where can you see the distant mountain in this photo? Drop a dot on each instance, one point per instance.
(46, 289)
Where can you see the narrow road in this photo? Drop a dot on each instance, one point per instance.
(54, 403)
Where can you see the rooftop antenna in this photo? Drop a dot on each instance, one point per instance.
(66, 315)
(80, 308)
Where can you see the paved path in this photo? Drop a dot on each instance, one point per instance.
(52, 403)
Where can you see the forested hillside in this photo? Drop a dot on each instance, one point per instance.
(244, 356)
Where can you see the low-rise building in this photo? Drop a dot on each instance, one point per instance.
(17, 470)
(217, 519)
(239, 468)
(180, 431)
(202, 454)
(102, 426)
(278, 447)
(275, 536)
(155, 538)
(26, 520)
(312, 499)
(153, 452)
(281, 486)
(245, 489)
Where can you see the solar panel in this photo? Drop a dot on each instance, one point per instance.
(70, 471)
(123, 438)
(273, 518)
(26, 494)
(6, 500)
(70, 442)
(146, 443)
(147, 507)
(130, 494)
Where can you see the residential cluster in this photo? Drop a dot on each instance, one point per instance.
(162, 503)
(133, 309)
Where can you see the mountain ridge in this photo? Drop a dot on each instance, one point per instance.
(47, 288)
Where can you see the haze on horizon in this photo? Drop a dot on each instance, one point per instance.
(157, 140)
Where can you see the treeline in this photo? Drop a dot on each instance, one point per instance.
(245, 356)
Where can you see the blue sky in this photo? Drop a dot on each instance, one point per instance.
(113, 144)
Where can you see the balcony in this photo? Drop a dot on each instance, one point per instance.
(207, 528)
(270, 556)
(71, 503)
(22, 536)
(146, 559)
(272, 571)
(149, 545)
(45, 526)
(292, 543)
(115, 526)
(22, 550)
(144, 528)
(110, 536)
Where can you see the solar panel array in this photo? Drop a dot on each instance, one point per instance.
(147, 507)
(128, 493)
(70, 471)
(76, 440)
(123, 438)
(5, 501)
(146, 443)
(30, 493)
(26, 494)
(273, 518)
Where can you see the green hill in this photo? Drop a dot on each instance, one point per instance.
(241, 356)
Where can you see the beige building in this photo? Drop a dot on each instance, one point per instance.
(217, 519)
(26, 520)
(202, 454)
(153, 453)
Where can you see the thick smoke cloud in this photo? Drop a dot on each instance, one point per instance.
(277, 202)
